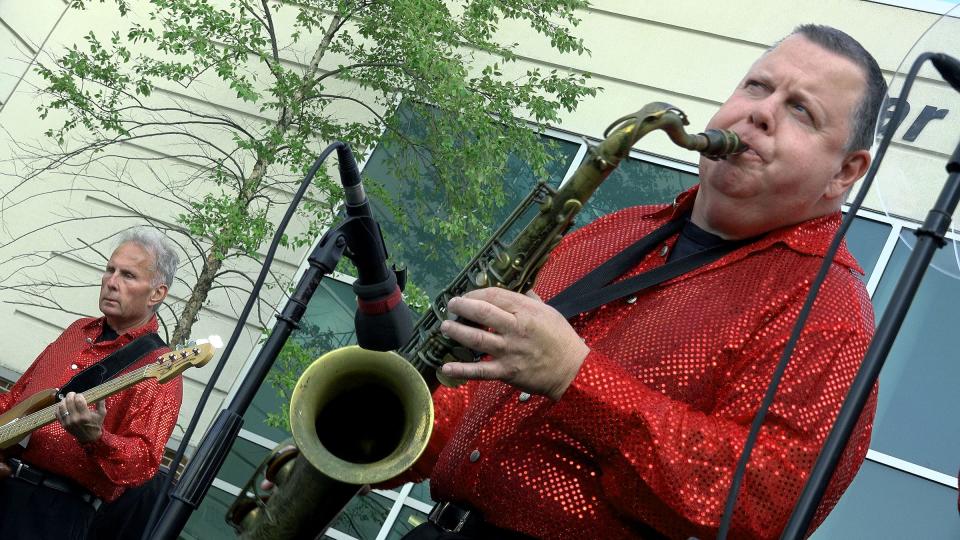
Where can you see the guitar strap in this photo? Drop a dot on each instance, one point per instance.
(114, 363)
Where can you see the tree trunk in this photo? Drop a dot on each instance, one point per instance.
(198, 295)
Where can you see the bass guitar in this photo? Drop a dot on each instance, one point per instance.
(39, 409)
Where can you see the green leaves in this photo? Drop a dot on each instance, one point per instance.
(235, 226)
(253, 90)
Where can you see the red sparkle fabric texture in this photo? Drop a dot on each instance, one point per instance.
(651, 428)
(138, 423)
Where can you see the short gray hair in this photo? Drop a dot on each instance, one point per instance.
(165, 258)
(864, 120)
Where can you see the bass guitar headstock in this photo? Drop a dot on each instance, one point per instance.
(175, 362)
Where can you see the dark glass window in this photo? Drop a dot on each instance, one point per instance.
(887, 503)
(207, 522)
(865, 239)
(635, 182)
(916, 413)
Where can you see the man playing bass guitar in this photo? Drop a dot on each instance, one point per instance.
(94, 452)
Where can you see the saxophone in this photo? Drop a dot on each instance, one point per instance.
(361, 417)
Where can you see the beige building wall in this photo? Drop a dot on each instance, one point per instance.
(690, 53)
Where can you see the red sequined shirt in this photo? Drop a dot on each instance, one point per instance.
(138, 423)
(651, 428)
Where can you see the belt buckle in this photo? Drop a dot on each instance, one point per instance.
(25, 472)
(436, 515)
(92, 500)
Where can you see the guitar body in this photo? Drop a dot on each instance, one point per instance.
(40, 400)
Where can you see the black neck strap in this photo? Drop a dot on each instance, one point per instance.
(595, 289)
(114, 363)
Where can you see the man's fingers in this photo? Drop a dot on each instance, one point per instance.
(474, 338)
(474, 370)
(63, 409)
(102, 407)
(483, 313)
(505, 299)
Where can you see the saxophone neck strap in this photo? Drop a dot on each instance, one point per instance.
(595, 289)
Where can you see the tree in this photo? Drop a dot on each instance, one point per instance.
(291, 69)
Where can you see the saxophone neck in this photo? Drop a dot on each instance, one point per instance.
(713, 143)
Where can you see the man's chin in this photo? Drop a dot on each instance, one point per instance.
(731, 185)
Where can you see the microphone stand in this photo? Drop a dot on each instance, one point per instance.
(216, 444)
(212, 452)
(930, 238)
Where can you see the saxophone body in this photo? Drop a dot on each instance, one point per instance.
(514, 266)
(389, 394)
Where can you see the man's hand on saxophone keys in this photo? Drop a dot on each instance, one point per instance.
(530, 345)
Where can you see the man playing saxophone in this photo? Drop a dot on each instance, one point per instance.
(627, 421)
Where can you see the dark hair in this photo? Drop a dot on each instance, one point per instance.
(864, 120)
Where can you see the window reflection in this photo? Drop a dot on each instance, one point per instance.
(887, 503)
(865, 240)
(916, 413)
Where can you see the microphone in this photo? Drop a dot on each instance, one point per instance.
(383, 322)
(949, 68)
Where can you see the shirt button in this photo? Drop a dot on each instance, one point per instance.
(89, 340)
(524, 396)
(631, 300)
(73, 366)
(474, 456)
(664, 250)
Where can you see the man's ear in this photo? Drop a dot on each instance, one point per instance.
(159, 293)
(854, 166)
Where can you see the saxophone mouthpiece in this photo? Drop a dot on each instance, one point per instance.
(719, 143)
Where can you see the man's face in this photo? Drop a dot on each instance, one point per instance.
(127, 293)
(794, 110)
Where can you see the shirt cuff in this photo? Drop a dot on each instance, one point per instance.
(101, 447)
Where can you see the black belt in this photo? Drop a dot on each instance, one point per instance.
(39, 477)
(468, 522)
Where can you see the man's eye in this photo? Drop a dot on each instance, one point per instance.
(802, 110)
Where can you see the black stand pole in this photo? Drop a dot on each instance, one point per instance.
(931, 238)
(212, 452)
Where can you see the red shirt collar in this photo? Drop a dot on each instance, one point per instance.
(811, 237)
(95, 328)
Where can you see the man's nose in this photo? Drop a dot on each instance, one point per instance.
(762, 115)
